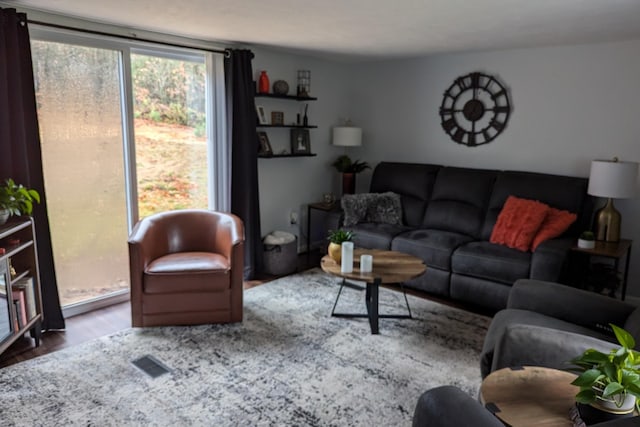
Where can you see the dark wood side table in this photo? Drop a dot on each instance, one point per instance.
(612, 250)
(320, 206)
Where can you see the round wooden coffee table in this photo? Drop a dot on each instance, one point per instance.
(530, 396)
(389, 267)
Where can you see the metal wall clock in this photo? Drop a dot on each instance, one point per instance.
(475, 109)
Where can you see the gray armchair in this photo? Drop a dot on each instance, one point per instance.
(548, 324)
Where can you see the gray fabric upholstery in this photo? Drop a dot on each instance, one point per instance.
(548, 260)
(434, 281)
(459, 200)
(509, 318)
(547, 324)
(480, 293)
(414, 182)
(375, 236)
(448, 406)
(434, 247)
(572, 305)
(490, 261)
(448, 215)
(530, 345)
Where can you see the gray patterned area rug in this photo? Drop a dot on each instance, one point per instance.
(288, 363)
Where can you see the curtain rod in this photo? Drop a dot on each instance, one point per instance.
(225, 52)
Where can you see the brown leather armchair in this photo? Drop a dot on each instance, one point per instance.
(186, 268)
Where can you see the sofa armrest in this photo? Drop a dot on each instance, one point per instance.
(447, 405)
(569, 304)
(528, 345)
(549, 259)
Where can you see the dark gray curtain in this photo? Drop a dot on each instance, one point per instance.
(241, 111)
(20, 156)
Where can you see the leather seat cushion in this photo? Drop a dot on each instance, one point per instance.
(187, 272)
(492, 262)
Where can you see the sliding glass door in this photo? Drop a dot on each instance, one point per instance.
(79, 97)
(124, 134)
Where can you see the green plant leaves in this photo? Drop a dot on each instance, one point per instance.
(624, 338)
(588, 378)
(344, 164)
(17, 199)
(611, 389)
(339, 236)
(586, 396)
(608, 375)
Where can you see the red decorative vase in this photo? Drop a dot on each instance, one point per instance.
(348, 183)
(263, 83)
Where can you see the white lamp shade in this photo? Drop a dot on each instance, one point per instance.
(613, 179)
(347, 136)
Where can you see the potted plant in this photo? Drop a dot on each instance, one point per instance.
(609, 382)
(16, 199)
(349, 169)
(336, 238)
(587, 240)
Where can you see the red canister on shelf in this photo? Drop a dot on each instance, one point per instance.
(263, 83)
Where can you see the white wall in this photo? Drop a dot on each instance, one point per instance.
(571, 104)
(289, 184)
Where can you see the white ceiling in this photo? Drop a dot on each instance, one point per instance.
(370, 29)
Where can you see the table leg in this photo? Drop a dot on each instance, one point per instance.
(308, 232)
(373, 311)
(372, 293)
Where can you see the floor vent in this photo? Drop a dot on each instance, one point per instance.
(151, 366)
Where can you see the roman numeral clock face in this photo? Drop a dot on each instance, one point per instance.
(475, 109)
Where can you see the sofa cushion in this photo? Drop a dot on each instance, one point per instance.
(490, 261)
(561, 192)
(518, 223)
(555, 223)
(459, 200)
(375, 236)
(434, 247)
(383, 208)
(414, 183)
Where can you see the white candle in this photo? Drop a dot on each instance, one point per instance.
(366, 263)
(346, 265)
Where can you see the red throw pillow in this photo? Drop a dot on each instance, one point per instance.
(556, 223)
(518, 223)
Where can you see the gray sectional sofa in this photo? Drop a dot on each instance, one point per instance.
(448, 214)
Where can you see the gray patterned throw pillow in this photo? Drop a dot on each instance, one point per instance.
(372, 207)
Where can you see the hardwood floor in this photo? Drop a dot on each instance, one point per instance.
(105, 321)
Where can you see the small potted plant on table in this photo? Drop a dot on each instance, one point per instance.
(609, 382)
(16, 199)
(587, 240)
(336, 238)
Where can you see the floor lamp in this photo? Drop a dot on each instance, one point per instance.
(611, 179)
(347, 136)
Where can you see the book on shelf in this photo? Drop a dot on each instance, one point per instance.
(26, 285)
(18, 296)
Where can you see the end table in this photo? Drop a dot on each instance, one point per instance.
(612, 250)
(320, 206)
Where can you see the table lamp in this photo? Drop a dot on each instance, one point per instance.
(612, 179)
(347, 136)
